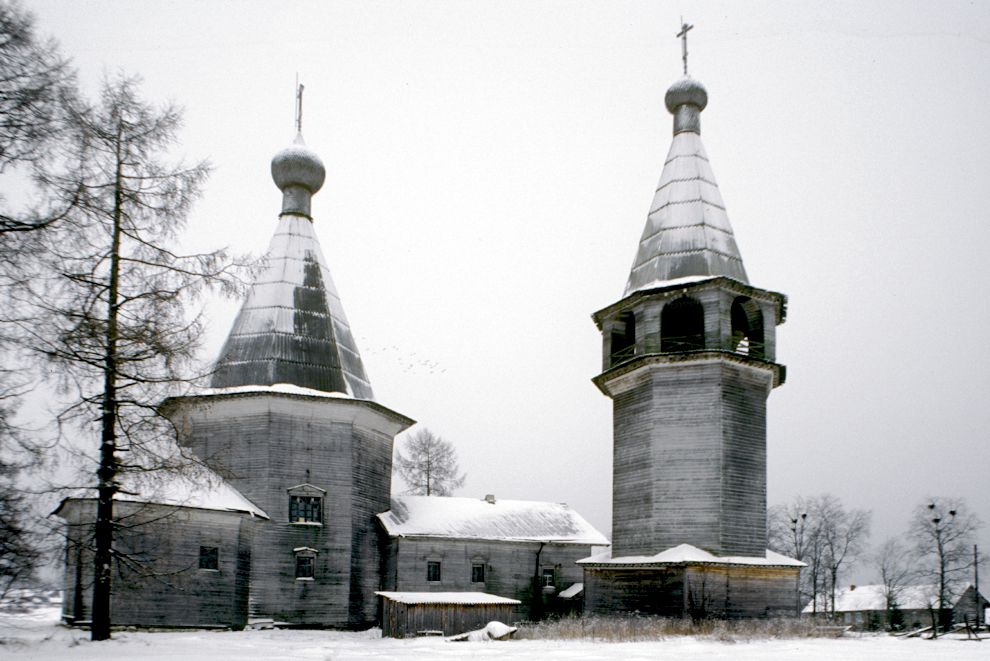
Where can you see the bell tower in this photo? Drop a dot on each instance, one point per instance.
(689, 358)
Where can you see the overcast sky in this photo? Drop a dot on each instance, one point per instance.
(489, 170)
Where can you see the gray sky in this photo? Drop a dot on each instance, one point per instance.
(489, 170)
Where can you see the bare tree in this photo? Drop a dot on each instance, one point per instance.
(892, 562)
(795, 531)
(820, 532)
(36, 83)
(114, 294)
(942, 530)
(429, 466)
(844, 534)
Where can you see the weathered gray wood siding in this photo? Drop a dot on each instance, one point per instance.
(158, 582)
(689, 458)
(509, 567)
(621, 592)
(716, 591)
(744, 592)
(406, 620)
(265, 444)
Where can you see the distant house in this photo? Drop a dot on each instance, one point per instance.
(501, 547)
(865, 606)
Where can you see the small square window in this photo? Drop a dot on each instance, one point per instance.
(478, 573)
(305, 566)
(305, 509)
(549, 578)
(433, 571)
(209, 557)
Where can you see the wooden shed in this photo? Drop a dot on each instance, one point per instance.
(409, 614)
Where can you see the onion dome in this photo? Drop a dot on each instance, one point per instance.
(685, 100)
(687, 235)
(291, 328)
(299, 173)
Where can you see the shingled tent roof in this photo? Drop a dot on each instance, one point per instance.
(687, 234)
(292, 328)
(471, 518)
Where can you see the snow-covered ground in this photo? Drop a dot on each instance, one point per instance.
(37, 635)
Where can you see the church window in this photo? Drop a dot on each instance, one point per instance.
(305, 563)
(682, 326)
(209, 558)
(433, 571)
(478, 573)
(549, 578)
(306, 505)
(305, 509)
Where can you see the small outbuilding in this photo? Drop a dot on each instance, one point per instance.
(410, 614)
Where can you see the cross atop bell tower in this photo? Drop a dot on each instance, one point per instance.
(689, 358)
(682, 35)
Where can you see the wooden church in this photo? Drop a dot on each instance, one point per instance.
(293, 524)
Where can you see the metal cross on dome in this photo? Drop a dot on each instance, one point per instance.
(299, 92)
(682, 35)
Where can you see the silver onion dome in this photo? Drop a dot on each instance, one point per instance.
(685, 99)
(299, 173)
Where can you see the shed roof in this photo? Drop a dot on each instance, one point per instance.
(686, 554)
(448, 598)
(199, 488)
(471, 518)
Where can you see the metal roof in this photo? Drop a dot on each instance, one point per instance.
(687, 231)
(471, 518)
(292, 327)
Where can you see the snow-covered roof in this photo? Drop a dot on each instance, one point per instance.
(685, 553)
(871, 598)
(572, 591)
(466, 598)
(200, 488)
(471, 518)
(283, 388)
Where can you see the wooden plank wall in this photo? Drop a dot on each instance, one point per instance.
(689, 460)
(159, 582)
(267, 444)
(406, 620)
(509, 567)
(720, 591)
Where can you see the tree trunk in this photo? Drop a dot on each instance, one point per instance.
(107, 472)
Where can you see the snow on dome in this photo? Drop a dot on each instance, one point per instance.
(298, 165)
(686, 90)
(471, 518)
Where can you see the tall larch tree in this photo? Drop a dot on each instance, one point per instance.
(115, 328)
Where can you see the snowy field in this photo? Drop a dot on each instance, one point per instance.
(38, 635)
